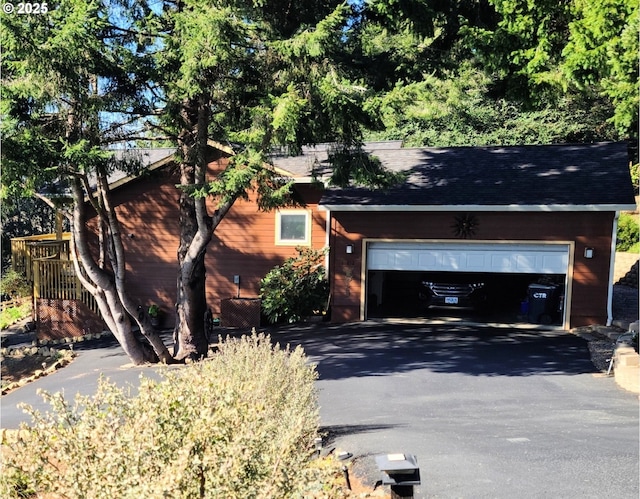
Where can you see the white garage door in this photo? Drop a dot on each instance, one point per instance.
(469, 257)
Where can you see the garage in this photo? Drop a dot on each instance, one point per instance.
(474, 280)
(518, 234)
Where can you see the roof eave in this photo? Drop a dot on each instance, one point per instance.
(473, 207)
(308, 180)
(154, 166)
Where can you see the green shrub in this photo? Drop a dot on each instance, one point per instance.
(635, 177)
(296, 289)
(12, 315)
(628, 232)
(14, 284)
(240, 424)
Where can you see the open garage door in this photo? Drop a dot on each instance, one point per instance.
(499, 276)
(469, 257)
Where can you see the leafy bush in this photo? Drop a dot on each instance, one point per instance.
(296, 289)
(628, 232)
(13, 284)
(635, 176)
(241, 424)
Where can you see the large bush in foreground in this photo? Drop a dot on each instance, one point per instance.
(241, 424)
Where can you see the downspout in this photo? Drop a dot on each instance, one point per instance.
(327, 240)
(327, 258)
(612, 262)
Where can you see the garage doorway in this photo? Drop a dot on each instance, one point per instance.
(475, 281)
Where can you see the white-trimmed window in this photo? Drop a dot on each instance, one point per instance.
(293, 228)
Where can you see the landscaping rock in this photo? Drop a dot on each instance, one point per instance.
(630, 278)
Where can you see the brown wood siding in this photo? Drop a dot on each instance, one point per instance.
(243, 244)
(148, 212)
(585, 229)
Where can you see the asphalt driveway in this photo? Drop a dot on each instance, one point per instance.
(489, 412)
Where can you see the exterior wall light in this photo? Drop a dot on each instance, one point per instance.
(349, 249)
(588, 252)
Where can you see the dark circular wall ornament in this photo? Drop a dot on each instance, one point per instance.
(465, 225)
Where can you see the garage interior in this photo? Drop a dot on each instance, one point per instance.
(506, 297)
(479, 281)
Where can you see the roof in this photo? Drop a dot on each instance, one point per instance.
(492, 178)
(150, 159)
(314, 160)
(537, 177)
(146, 158)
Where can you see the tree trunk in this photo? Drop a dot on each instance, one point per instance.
(196, 230)
(191, 304)
(117, 258)
(195, 233)
(111, 308)
(191, 309)
(101, 284)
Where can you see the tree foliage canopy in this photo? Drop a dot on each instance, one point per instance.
(602, 54)
(538, 52)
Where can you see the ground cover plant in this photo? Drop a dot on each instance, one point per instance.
(15, 289)
(11, 315)
(241, 424)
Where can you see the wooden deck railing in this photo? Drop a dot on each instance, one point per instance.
(61, 305)
(56, 279)
(14, 302)
(26, 249)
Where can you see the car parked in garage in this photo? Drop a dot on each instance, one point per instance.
(449, 294)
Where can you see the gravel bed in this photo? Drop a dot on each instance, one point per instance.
(601, 351)
(625, 303)
(625, 308)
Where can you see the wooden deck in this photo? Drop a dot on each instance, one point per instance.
(26, 249)
(61, 305)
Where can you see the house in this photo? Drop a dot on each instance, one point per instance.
(516, 220)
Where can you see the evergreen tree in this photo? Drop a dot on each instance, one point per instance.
(255, 74)
(66, 80)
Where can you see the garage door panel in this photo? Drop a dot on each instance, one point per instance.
(405, 259)
(427, 260)
(527, 263)
(495, 258)
(454, 261)
(501, 263)
(380, 260)
(554, 262)
(477, 261)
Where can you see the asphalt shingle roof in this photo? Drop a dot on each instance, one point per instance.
(536, 175)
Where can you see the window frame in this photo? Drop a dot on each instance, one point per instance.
(307, 229)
